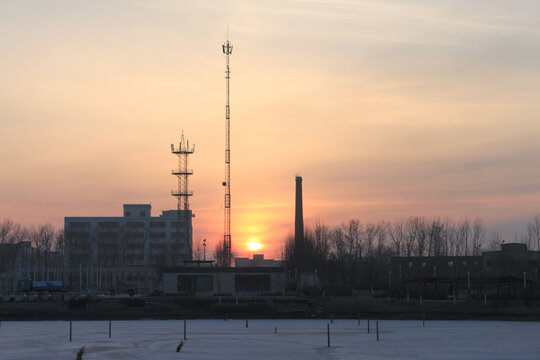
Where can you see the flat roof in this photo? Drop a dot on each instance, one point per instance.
(234, 270)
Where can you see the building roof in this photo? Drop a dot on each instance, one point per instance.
(235, 270)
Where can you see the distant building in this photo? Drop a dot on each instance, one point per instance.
(230, 281)
(509, 273)
(257, 261)
(126, 251)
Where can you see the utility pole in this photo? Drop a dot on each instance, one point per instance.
(227, 50)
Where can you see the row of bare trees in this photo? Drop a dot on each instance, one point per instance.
(30, 247)
(339, 250)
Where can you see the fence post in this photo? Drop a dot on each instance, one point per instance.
(423, 319)
(377, 324)
(368, 325)
(70, 330)
(328, 331)
(185, 338)
(247, 322)
(110, 328)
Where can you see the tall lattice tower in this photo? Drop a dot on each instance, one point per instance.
(227, 50)
(182, 193)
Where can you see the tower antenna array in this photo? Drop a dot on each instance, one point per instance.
(182, 193)
(227, 50)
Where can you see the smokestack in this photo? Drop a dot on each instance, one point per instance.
(299, 226)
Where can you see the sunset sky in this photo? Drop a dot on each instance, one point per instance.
(386, 108)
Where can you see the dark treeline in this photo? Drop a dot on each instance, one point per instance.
(358, 254)
(30, 249)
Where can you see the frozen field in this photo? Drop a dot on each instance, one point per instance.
(295, 339)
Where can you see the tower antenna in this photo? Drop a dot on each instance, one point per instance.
(182, 193)
(227, 50)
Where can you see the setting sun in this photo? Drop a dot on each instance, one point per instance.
(254, 245)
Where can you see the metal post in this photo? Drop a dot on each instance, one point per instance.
(328, 332)
(377, 324)
(423, 319)
(389, 284)
(185, 338)
(109, 329)
(468, 286)
(368, 325)
(70, 330)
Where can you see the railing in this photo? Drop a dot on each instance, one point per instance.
(177, 193)
(180, 172)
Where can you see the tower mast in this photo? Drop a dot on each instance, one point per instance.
(227, 50)
(182, 193)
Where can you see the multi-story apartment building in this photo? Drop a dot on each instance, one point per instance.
(125, 252)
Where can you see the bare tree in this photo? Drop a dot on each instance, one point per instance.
(533, 229)
(353, 240)
(494, 241)
(6, 227)
(436, 238)
(463, 237)
(220, 255)
(396, 232)
(321, 241)
(370, 234)
(478, 236)
(411, 232)
(197, 249)
(381, 235)
(422, 232)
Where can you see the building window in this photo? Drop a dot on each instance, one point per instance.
(143, 213)
(135, 224)
(252, 283)
(205, 283)
(158, 224)
(79, 225)
(128, 214)
(186, 283)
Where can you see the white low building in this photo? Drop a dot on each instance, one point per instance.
(232, 281)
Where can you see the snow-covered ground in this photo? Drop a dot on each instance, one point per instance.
(295, 339)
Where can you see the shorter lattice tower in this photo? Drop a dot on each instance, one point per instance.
(182, 193)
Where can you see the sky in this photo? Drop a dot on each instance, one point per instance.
(387, 109)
